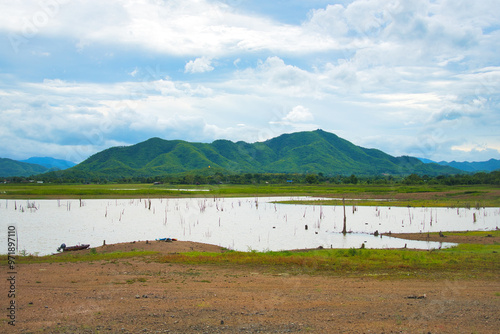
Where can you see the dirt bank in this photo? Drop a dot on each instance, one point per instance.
(160, 246)
(143, 296)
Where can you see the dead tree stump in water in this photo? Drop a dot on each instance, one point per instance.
(344, 230)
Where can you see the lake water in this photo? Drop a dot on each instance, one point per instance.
(235, 223)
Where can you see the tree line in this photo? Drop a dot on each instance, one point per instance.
(491, 178)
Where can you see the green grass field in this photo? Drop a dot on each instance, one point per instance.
(393, 195)
(465, 261)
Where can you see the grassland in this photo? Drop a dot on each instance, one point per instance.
(463, 261)
(391, 195)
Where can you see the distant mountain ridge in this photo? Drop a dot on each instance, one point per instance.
(481, 166)
(49, 162)
(32, 166)
(301, 152)
(475, 166)
(9, 167)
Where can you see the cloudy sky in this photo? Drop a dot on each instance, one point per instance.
(409, 77)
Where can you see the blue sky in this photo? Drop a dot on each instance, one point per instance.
(419, 78)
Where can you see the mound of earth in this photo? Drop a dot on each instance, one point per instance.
(163, 247)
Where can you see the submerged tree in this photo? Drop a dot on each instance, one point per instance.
(344, 229)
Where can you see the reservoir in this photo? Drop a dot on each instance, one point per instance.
(243, 224)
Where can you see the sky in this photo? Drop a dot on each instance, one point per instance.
(408, 77)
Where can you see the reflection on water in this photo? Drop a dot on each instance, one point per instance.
(236, 223)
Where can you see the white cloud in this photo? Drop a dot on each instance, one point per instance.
(274, 77)
(199, 65)
(299, 114)
(175, 27)
(386, 74)
(474, 147)
(211, 28)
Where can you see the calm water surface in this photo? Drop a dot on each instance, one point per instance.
(236, 223)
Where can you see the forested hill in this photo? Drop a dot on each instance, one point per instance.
(31, 166)
(302, 152)
(9, 167)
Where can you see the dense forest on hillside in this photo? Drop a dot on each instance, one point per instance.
(310, 157)
(302, 153)
(9, 167)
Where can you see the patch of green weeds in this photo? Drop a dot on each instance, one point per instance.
(463, 260)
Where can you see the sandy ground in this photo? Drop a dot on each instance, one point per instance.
(137, 296)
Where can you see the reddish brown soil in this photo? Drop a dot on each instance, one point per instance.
(140, 296)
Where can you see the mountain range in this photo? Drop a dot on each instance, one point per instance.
(301, 152)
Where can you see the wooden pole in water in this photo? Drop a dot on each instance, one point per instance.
(344, 230)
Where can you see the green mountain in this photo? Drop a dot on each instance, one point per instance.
(9, 167)
(302, 152)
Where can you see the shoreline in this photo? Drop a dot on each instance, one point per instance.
(180, 246)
